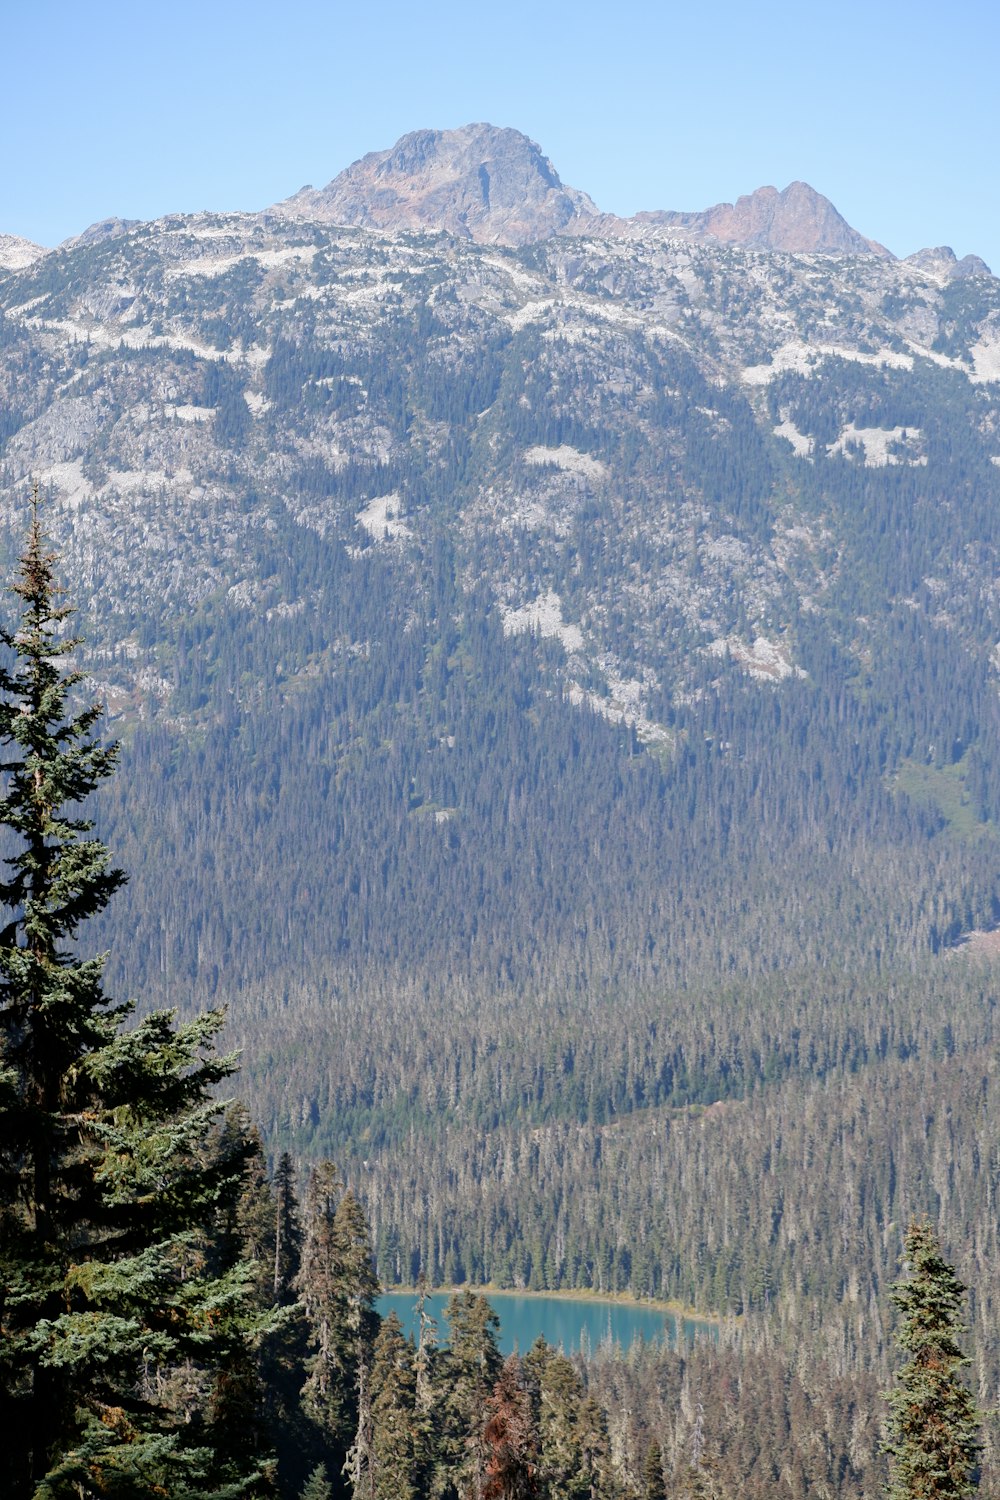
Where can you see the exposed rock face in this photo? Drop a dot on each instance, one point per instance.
(943, 262)
(104, 229)
(16, 253)
(479, 182)
(797, 220)
(494, 186)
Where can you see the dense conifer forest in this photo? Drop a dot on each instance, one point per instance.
(176, 1319)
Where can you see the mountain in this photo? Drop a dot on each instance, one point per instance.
(560, 705)
(655, 472)
(945, 263)
(494, 186)
(103, 229)
(16, 253)
(797, 220)
(481, 183)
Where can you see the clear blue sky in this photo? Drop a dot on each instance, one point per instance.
(139, 109)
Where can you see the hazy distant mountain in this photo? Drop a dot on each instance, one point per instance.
(798, 220)
(495, 186)
(16, 253)
(480, 183)
(104, 229)
(945, 263)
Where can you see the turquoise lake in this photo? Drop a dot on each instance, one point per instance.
(564, 1322)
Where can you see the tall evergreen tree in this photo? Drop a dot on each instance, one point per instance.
(933, 1445)
(572, 1429)
(397, 1450)
(284, 1354)
(287, 1233)
(117, 1339)
(360, 1464)
(466, 1378)
(317, 1486)
(653, 1487)
(337, 1289)
(326, 1395)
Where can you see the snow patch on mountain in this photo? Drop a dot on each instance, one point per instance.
(189, 413)
(68, 481)
(803, 358)
(16, 254)
(139, 336)
(532, 312)
(218, 265)
(795, 355)
(881, 359)
(623, 705)
(985, 357)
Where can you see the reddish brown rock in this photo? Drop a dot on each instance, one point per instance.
(798, 220)
(480, 183)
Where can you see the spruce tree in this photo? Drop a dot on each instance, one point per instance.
(933, 1444)
(396, 1447)
(317, 1486)
(572, 1429)
(117, 1340)
(337, 1289)
(466, 1376)
(287, 1232)
(653, 1487)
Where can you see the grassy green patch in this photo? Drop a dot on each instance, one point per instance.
(945, 789)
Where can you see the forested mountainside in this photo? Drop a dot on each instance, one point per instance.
(559, 689)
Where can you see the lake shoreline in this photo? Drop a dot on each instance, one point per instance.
(674, 1310)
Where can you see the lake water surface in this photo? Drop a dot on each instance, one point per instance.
(564, 1322)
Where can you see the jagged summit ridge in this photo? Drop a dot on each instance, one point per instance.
(797, 220)
(479, 182)
(945, 264)
(495, 186)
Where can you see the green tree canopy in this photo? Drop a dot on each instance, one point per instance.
(120, 1327)
(933, 1445)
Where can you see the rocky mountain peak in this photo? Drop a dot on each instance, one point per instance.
(479, 182)
(797, 220)
(495, 186)
(945, 264)
(104, 229)
(16, 253)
